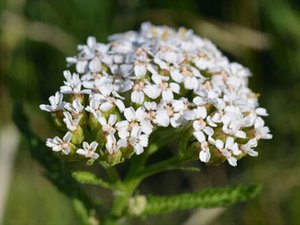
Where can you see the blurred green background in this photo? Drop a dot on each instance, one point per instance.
(264, 35)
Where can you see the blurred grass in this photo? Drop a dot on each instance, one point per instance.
(32, 199)
(36, 35)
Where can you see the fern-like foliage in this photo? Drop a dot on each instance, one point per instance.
(86, 177)
(214, 197)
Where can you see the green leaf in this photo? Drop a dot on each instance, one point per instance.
(189, 168)
(81, 211)
(214, 197)
(85, 177)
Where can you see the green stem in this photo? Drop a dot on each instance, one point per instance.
(111, 172)
(122, 195)
(168, 164)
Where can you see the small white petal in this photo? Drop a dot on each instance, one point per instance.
(219, 144)
(175, 87)
(129, 114)
(80, 151)
(81, 66)
(138, 149)
(152, 91)
(199, 135)
(106, 106)
(167, 95)
(232, 161)
(95, 65)
(162, 118)
(204, 156)
(261, 112)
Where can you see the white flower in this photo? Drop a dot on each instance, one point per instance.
(108, 125)
(159, 77)
(75, 108)
(238, 70)
(162, 87)
(140, 69)
(171, 112)
(112, 145)
(138, 140)
(72, 124)
(190, 77)
(261, 131)
(56, 103)
(248, 147)
(72, 84)
(134, 118)
(201, 127)
(232, 122)
(108, 102)
(204, 154)
(87, 53)
(230, 148)
(94, 108)
(150, 117)
(89, 150)
(60, 145)
(137, 94)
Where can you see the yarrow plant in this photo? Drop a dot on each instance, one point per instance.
(144, 89)
(124, 91)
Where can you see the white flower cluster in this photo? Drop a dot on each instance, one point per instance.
(156, 77)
